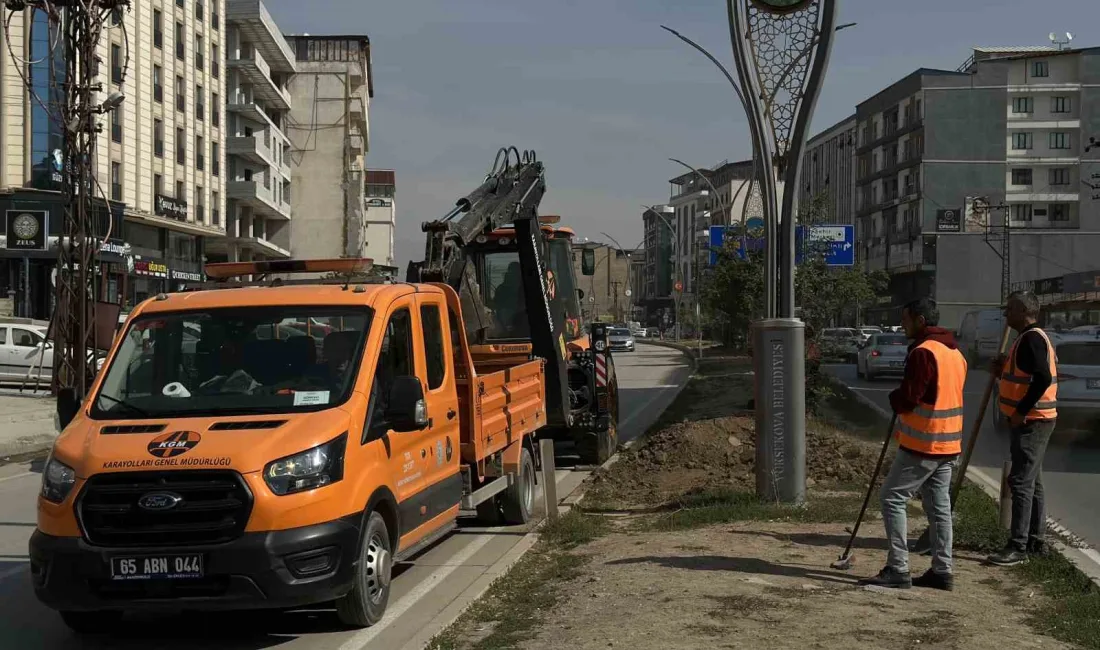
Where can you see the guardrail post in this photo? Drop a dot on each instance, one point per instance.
(549, 484)
(1006, 497)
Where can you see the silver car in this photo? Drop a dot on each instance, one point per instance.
(620, 339)
(882, 354)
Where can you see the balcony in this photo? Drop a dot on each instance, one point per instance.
(256, 71)
(355, 142)
(258, 27)
(251, 148)
(259, 198)
(357, 113)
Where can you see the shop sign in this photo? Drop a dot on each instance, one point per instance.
(948, 221)
(1048, 286)
(186, 276)
(57, 165)
(1081, 282)
(149, 267)
(26, 230)
(167, 206)
(115, 248)
(379, 203)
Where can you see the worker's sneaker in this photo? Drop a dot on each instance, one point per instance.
(932, 580)
(1010, 556)
(889, 577)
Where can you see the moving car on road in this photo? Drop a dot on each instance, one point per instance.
(882, 354)
(620, 339)
(246, 471)
(980, 335)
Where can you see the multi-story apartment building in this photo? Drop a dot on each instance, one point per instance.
(656, 294)
(381, 219)
(828, 172)
(1011, 125)
(329, 137)
(157, 159)
(259, 66)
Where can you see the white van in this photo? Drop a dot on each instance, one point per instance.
(980, 334)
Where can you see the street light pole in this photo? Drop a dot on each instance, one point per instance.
(782, 81)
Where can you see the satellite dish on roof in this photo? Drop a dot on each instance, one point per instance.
(1052, 37)
(1069, 36)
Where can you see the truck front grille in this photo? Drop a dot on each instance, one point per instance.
(213, 507)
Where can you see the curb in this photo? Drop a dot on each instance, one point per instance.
(471, 594)
(1087, 560)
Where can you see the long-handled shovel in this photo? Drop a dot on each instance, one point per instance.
(845, 561)
(923, 545)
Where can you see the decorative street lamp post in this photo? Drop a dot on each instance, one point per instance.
(781, 48)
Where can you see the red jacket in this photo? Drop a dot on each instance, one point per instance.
(919, 384)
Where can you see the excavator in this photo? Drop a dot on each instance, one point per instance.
(513, 271)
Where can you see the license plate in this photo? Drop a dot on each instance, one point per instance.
(157, 567)
(1093, 383)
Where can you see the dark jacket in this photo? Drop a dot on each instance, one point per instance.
(920, 382)
(1032, 357)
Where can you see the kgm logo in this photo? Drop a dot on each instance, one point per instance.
(177, 443)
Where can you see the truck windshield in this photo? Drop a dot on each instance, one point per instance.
(504, 296)
(234, 361)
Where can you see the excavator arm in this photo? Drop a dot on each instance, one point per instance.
(510, 194)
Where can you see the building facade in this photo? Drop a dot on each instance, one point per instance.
(329, 137)
(605, 290)
(157, 158)
(657, 286)
(259, 66)
(828, 172)
(1012, 125)
(380, 190)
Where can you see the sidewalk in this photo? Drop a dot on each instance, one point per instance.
(672, 550)
(26, 423)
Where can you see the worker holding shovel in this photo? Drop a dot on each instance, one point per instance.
(928, 409)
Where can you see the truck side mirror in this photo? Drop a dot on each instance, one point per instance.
(407, 410)
(588, 261)
(67, 407)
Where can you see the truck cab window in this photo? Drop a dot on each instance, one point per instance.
(396, 357)
(433, 345)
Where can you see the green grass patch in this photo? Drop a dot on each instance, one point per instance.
(709, 507)
(515, 605)
(1071, 610)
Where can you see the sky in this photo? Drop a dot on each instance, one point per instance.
(605, 96)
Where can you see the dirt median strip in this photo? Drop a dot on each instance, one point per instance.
(679, 553)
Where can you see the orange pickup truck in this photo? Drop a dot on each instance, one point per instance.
(275, 444)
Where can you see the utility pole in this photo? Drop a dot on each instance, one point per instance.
(982, 208)
(80, 26)
(615, 309)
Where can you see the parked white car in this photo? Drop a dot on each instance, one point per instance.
(882, 354)
(23, 347)
(866, 332)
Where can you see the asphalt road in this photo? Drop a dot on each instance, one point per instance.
(425, 590)
(1071, 469)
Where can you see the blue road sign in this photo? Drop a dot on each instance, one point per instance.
(717, 240)
(837, 242)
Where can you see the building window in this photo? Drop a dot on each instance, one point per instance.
(1021, 177)
(200, 102)
(179, 41)
(215, 159)
(158, 29)
(199, 52)
(1021, 140)
(181, 95)
(1021, 212)
(215, 67)
(158, 138)
(1059, 140)
(158, 84)
(198, 11)
(215, 209)
(116, 64)
(200, 209)
(200, 155)
(179, 190)
(181, 148)
(158, 184)
(116, 181)
(179, 3)
(1040, 69)
(1059, 176)
(116, 124)
(215, 114)
(1059, 212)
(1023, 105)
(1059, 104)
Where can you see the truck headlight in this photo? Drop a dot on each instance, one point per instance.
(313, 468)
(57, 480)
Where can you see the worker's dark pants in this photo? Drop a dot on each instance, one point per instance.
(1025, 482)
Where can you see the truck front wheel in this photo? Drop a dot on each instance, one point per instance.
(517, 501)
(365, 604)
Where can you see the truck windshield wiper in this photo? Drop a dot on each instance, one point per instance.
(139, 411)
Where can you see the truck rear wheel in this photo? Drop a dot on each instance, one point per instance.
(518, 500)
(595, 448)
(92, 622)
(365, 604)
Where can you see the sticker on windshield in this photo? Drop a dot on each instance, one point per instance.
(310, 397)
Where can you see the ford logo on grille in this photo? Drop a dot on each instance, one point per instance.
(159, 501)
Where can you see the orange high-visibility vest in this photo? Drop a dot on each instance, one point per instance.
(937, 428)
(1015, 382)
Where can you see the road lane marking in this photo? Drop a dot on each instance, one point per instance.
(396, 610)
(15, 476)
(13, 571)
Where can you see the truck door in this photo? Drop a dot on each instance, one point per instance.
(444, 480)
(407, 450)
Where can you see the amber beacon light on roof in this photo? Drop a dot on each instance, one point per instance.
(348, 266)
